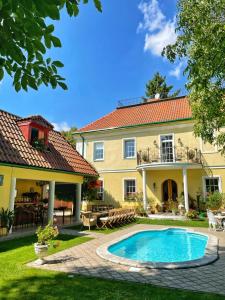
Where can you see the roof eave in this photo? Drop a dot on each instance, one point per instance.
(131, 126)
(7, 164)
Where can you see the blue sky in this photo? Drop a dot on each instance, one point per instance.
(107, 56)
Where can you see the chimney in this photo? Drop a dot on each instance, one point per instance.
(157, 96)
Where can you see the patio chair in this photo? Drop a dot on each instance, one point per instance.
(213, 224)
(88, 220)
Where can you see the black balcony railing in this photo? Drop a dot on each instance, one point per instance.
(169, 155)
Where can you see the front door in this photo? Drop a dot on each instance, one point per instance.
(169, 190)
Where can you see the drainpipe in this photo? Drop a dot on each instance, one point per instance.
(82, 144)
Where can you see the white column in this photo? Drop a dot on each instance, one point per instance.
(51, 200)
(185, 182)
(12, 195)
(78, 202)
(144, 188)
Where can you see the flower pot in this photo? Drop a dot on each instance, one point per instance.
(3, 231)
(41, 251)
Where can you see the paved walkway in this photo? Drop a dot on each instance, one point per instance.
(83, 260)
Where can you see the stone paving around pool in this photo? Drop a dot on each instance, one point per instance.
(83, 260)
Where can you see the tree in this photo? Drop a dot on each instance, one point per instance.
(158, 85)
(68, 135)
(201, 42)
(25, 35)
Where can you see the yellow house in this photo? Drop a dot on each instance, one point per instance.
(35, 161)
(150, 148)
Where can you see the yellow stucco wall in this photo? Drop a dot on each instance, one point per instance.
(24, 186)
(113, 183)
(114, 167)
(31, 174)
(145, 137)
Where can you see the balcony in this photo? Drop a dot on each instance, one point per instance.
(170, 155)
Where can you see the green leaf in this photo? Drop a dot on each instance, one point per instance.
(98, 5)
(53, 82)
(48, 60)
(39, 46)
(1, 74)
(24, 82)
(50, 28)
(69, 8)
(63, 85)
(56, 41)
(31, 83)
(75, 9)
(58, 63)
(47, 41)
(17, 86)
(17, 74)
(52, 11)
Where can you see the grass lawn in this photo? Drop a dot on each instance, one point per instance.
(187, 223)
(20, 282)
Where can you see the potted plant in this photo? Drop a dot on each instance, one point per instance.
(145, 157)
(6, 221)
(44, 235)
(181, 206)
(152, 205)
(173, 206)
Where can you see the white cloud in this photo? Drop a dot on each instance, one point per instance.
(176, 72)
(62, 126)
(153, 17)
(159, 32)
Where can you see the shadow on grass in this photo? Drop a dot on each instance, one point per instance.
(60, 286)
(27, 241)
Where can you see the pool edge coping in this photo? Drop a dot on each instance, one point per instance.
(211, 252)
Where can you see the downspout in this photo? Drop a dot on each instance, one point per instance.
(82, 144)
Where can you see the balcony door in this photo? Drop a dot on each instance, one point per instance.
(166, 148)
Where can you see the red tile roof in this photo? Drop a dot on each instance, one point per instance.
(14, 149)
(154, 111)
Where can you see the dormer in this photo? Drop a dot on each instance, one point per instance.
(35, 129)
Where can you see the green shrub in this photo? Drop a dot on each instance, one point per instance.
(215, 200)
(192, 214)
(6, 218)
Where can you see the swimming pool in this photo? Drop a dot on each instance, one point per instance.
(171, 245)
(163, 248)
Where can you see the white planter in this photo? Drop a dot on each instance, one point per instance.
(41, 251)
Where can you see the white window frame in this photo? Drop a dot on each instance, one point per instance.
(160, 146)
(98, 159)
(211, 177)
(103, 189)
(123, 183)
(135, 148)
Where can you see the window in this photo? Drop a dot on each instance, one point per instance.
(100, 190)
(129, 148)
(98, 151)
(166, 150)
(129, 187)
(212, 184)
(34, 135)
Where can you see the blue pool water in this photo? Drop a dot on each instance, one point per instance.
(170, 245)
